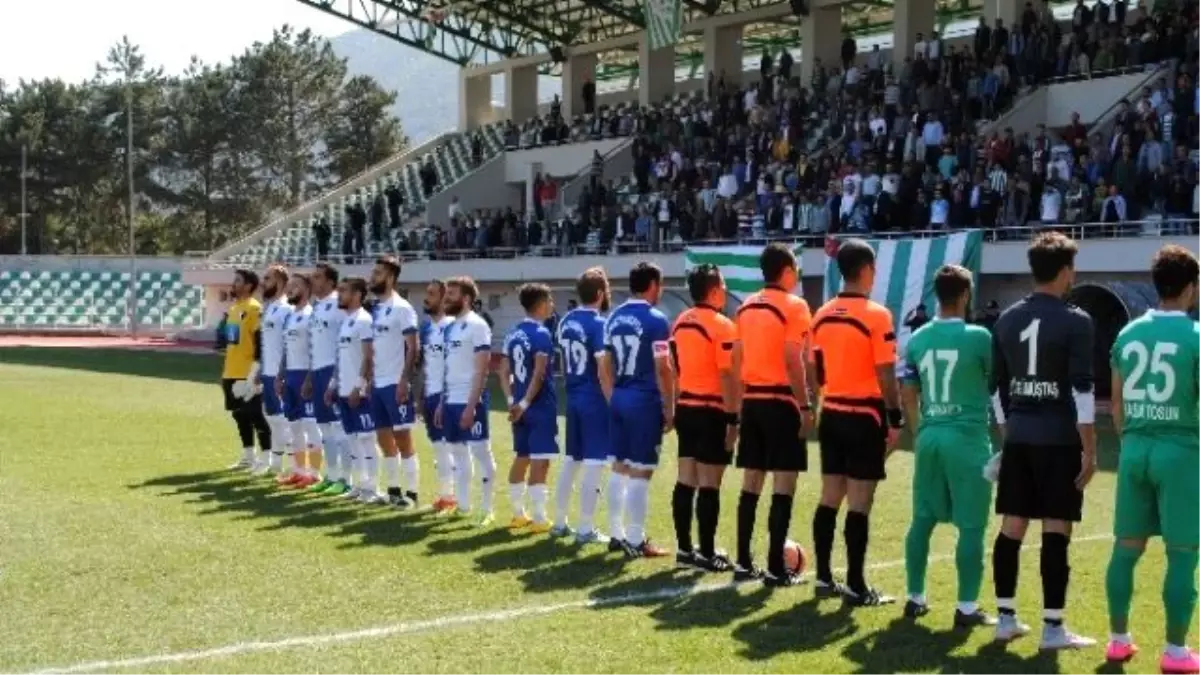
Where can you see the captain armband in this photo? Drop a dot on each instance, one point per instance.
(1085, 407)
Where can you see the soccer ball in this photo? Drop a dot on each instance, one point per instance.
(794, 557)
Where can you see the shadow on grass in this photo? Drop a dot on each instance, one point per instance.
(908, 646)
(808, 626)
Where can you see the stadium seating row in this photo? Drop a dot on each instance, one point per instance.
(97, 299)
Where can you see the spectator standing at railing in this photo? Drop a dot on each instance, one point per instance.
(395, 201)
(322, 232)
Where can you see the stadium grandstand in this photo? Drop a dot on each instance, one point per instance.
(717, 123)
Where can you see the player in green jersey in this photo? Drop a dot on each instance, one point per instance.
(948, 368)
(1156, 411)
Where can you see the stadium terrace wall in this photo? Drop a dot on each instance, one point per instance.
(1004, 270)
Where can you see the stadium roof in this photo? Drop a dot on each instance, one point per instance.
(487, 31)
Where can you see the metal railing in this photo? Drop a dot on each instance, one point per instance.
(1079, 231)
(278, 223)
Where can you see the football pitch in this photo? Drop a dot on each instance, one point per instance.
(126, 547)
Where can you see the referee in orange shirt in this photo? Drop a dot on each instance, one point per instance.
(708, 360)
(774, 327)
(854, 356)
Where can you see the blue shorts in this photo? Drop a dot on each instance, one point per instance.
(637, 428)
(294, 406)
(324, 414)
(388, 413)
(452, 413)
(435, 433)
(272, 404)
(587, 428)
(535, 435)
(356, 420)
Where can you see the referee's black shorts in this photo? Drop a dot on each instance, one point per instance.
(701, 432)
(769, 438)
(853, 443)
(235, 404)
(1038, 482)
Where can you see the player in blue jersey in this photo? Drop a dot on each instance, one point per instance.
(526, 377)
(433, 366)
(581, 339)
(637, 363)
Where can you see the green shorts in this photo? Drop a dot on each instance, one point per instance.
(1158, 479)
(948, 482)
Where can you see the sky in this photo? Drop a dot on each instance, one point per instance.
(66, 38)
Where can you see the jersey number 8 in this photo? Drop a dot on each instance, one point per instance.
(626, 348)
(1158, 364)
(520, 369)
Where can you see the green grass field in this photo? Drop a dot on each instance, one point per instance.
(125, 547)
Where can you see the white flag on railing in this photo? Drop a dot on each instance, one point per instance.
(664, 20)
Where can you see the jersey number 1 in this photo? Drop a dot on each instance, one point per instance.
(929, 370)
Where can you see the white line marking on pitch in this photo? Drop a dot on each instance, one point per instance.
(409, 627)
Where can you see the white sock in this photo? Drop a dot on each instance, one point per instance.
(351, 461)
(637, 492)
(537, 497)
(443, 462)
(412, 472)
(482, 450)
(298, 448)
(563, 489)
(1123, 638)
(248, 454)
(516, 496)
(589, 496)
(278, 443)
(391, 469)
(332, 439)
(462, 476)
(1176, 651)
(369, 461)
(918, 598)
(616, 505)
(964, 607)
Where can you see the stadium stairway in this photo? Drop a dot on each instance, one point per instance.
(97, 299)
(290, 238)
(1095, 98)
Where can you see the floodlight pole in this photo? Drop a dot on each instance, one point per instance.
(24, 210)
(129, 177)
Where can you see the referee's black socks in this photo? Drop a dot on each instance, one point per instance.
(857, 533)
(708, 512)
(779, 519)
(824, 526)
(682, 500)
(1056, 574)
(1006, 562)
(747, 505)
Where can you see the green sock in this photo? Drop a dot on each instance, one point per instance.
(916, 553)
(968, 558)
(1118, 585)
(1179, 593)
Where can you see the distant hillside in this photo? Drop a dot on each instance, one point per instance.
(426, 86)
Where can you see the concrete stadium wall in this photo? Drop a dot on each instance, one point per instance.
(90, 263)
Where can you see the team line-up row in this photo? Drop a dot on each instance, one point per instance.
(325, 371)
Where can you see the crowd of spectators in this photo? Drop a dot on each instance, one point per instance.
(865, 148)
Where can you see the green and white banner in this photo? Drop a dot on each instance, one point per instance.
(664, 21)
(739, 265)
(905, 269)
